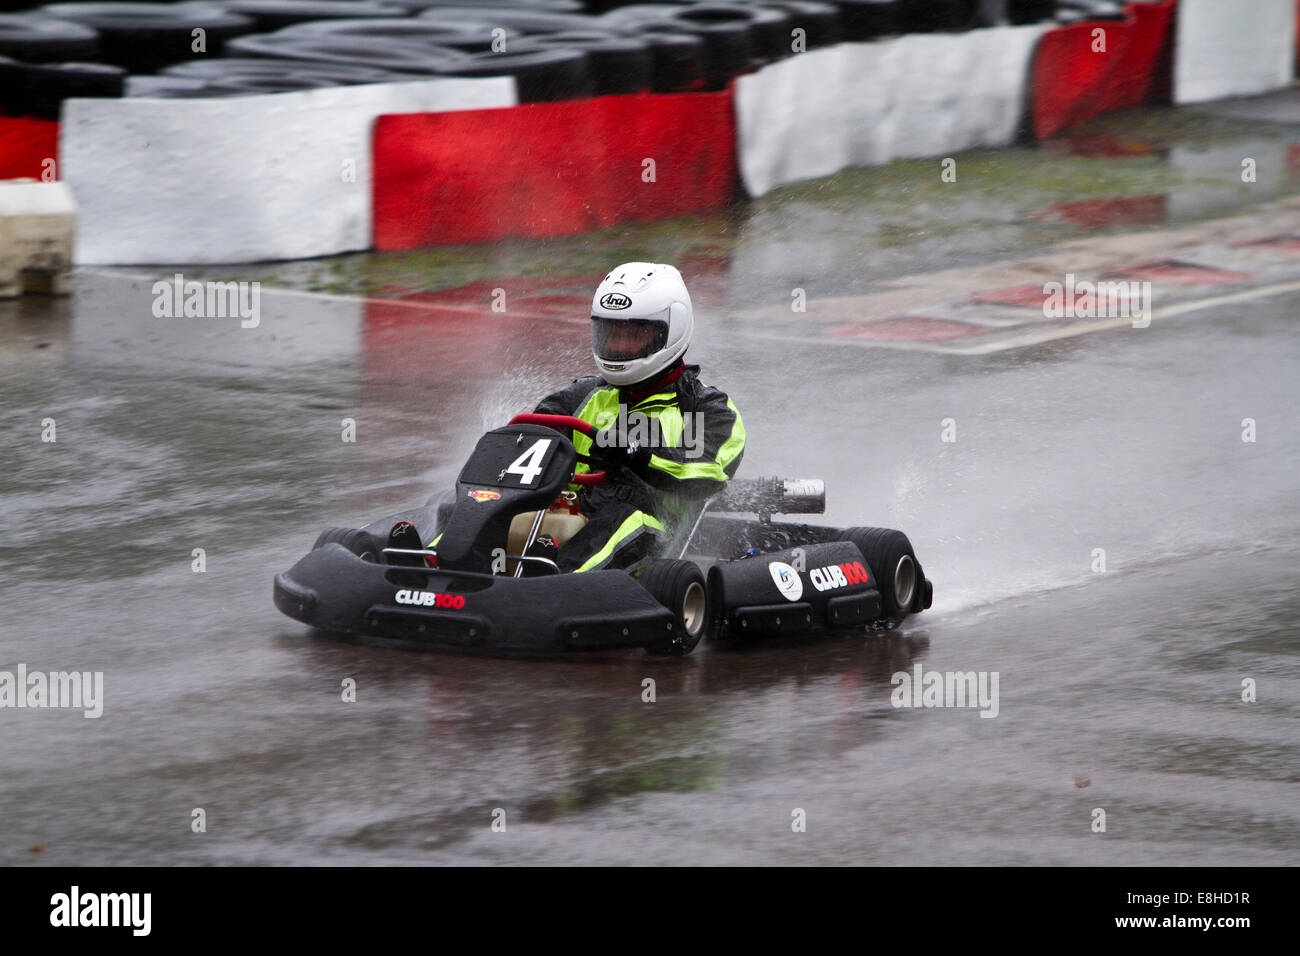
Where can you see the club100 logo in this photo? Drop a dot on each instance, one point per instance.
(430, 599)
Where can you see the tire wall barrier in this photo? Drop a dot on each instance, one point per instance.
(1233, 48)
(862, 104)
(276, 176)
(550, 169)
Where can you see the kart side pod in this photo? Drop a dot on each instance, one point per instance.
(799, 589)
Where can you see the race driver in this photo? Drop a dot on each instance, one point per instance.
(672, 440)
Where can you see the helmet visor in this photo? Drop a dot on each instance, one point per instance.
(623, 340)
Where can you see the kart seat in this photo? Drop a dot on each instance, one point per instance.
(560, 524)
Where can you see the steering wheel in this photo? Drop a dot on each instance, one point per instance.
(563, 423)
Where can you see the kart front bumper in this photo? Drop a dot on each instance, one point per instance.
(334, 590)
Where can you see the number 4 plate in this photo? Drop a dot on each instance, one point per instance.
(531, 463)
(505, 462)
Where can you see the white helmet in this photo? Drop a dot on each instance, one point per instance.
(641, 322)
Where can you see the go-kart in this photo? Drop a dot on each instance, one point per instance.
(737, 575)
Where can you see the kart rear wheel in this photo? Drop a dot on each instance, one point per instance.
(679, 586)
(893, 565)
(361, 543)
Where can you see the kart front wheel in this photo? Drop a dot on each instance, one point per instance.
(679, 586)
(359, 542)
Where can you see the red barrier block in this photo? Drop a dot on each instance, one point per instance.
(25, 145)
(549, 169)
(1143, 72)
(1071, 82)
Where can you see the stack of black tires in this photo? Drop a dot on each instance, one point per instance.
(556, 49)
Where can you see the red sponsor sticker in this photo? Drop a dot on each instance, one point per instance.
(482, 494)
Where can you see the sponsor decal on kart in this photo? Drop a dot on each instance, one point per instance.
(430, 599)
(615, 301)
(483, 494)
(839, 576)
(786, 579)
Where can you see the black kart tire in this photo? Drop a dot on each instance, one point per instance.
(870, 19)
(359, 542)
(731, 44)
(469, 37)
(933, 16)
(894, 568)
(144, 37)
(617, 64)
(681, 61)
(275, 14)
(256, 85)
(680, 587)
(39, 89)
(820, 22)
(769, 26)
(1020, 12)
(525, 18)
(36, 39)
(226, 68)
(373, 52)
(166, 87)
(541, 76)
(562, 7)
(1093, 9)
(729, 47)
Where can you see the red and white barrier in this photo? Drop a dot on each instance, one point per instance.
(862, 104)
(1086, 68)
(277, 176)
(28, 148)
(549, 169)
(394, 166)
(1233, 48)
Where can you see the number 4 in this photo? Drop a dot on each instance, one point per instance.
(529, 465)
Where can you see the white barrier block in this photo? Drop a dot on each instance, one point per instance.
(864, 104)
(241, 179)
(38, 223)
(1229, 48)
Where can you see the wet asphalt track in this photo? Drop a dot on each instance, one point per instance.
(1119, 690)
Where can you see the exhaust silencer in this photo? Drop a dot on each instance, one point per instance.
(774, 496)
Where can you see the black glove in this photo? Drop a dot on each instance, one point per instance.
(616, 445)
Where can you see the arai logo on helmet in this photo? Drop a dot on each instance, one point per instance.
(786, 579)
(615, 301)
